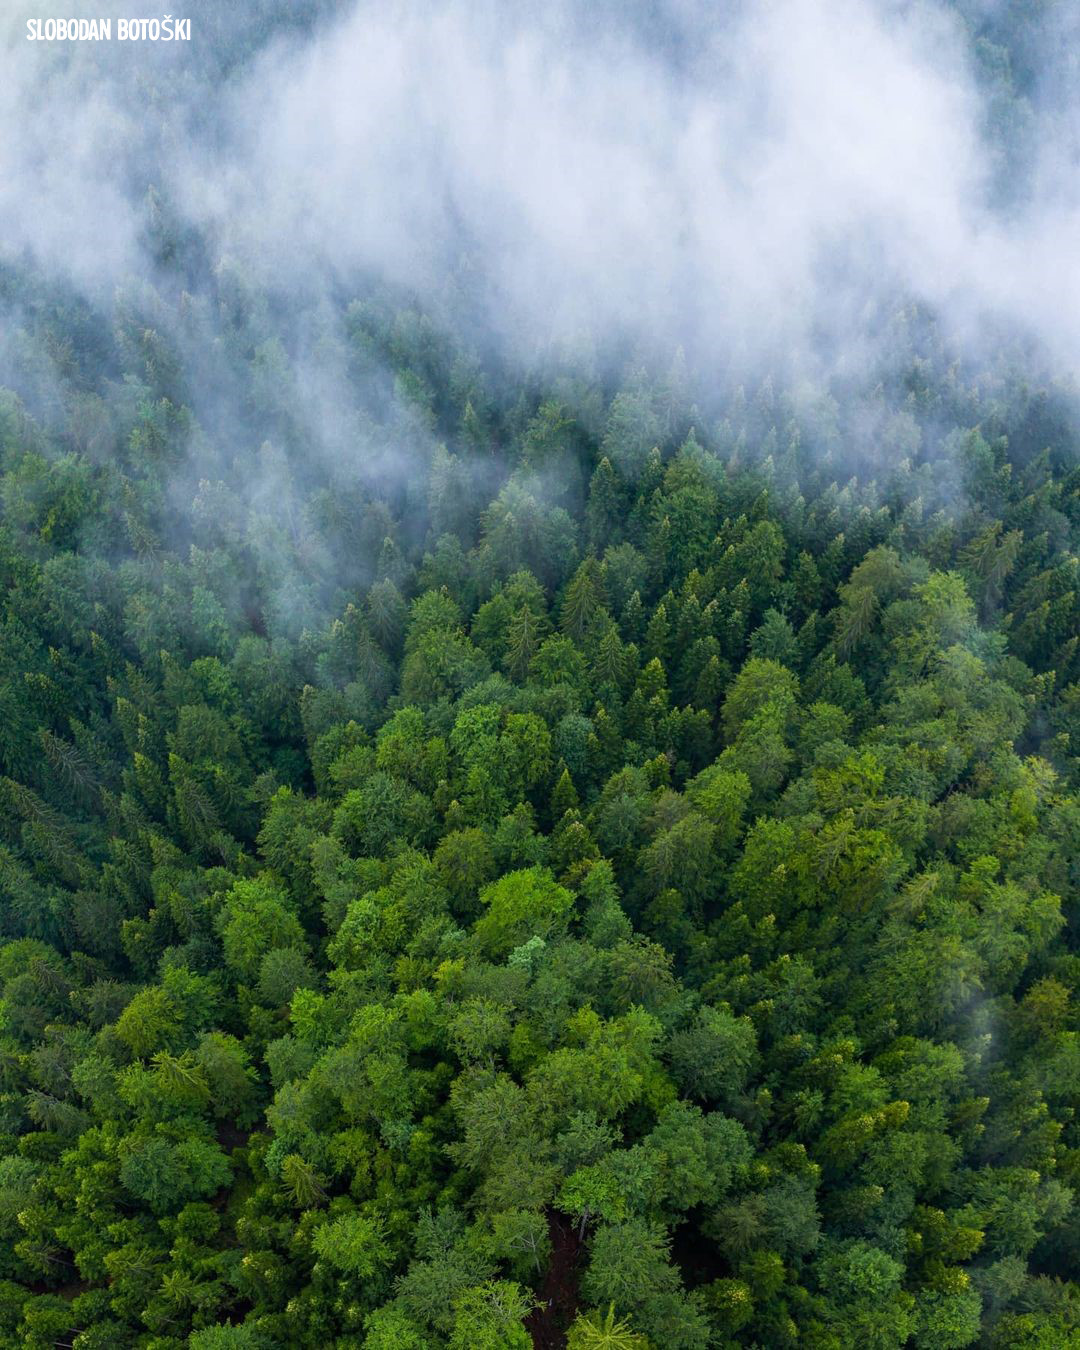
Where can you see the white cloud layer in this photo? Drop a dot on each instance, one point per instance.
(751, 178)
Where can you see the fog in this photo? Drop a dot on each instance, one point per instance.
(760, 192)
(762, 184)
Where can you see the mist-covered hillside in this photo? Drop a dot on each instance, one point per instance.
(540, 678)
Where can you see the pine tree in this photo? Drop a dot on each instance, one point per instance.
(633, 618)
(564, 795)
(606, 507)
(522, 643)
(609, 664)
(583, 600)
(658, 635)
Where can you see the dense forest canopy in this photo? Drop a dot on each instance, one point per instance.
(518, 830)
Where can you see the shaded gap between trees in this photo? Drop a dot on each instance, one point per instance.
(549, 1322)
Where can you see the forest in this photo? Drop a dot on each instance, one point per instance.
(496, 851)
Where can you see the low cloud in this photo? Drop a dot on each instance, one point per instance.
(760, 182)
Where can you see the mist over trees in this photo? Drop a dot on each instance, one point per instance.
(540, 680)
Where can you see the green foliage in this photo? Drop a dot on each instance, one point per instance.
(520, 906)
(352, 1244)
(606, 879)
(593, 1331)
